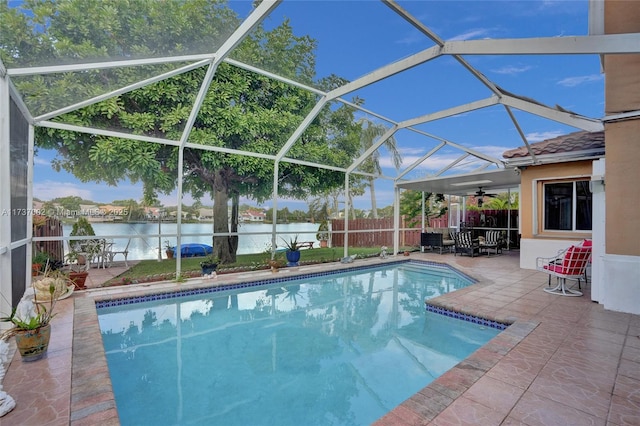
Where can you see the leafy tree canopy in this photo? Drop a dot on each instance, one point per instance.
(411, 205)
(242, 110)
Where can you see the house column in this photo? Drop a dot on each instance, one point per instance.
(621, 262)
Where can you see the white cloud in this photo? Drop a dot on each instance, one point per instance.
(38, 161)
(512, 70)
(413, 38)
(543, 136)
(470, 35)
(49, 189)
(576, 81)
(492, 150)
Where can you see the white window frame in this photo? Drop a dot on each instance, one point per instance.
(574, 201)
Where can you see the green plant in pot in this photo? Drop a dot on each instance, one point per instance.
(168, 249)
(32, 317)
(293, 251)
(209, 265)
(39, 262)
(82, 228)
(78, 272)
(323, 233)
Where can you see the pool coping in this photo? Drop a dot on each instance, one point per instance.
(93, 401)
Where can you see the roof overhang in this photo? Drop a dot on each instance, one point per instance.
(465, 184)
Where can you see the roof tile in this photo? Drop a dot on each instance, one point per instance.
(573, 142)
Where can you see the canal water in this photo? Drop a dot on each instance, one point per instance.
(145, 241)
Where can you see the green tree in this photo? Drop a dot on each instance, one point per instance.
(371, 132)
(501, 202)
(71, 203)
(241, 110)
(411, 205)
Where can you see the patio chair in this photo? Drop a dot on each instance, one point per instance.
(464, 243)
(568, 264)
(112, 253)
(435, 240)
(493, 241)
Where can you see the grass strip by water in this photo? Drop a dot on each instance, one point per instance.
(152, 270)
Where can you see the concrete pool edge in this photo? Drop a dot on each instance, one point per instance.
(93, 401)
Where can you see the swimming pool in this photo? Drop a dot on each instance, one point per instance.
(342, 348)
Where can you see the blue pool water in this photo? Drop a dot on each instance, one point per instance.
(340, 349)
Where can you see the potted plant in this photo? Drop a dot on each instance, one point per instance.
(38, 263)
(209, 265)
(84, 249)
(78, 272)
(276, 263)
(168, 249)
(31, 318)
(323, 233)
(293, 251)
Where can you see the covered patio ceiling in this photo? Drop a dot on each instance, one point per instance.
(466, 184)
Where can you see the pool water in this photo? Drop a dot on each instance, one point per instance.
(340, 349)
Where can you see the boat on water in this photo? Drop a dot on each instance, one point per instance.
(193, 250)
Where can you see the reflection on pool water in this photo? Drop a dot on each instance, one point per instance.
(330, 350)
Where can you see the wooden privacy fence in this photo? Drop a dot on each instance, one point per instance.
(373, 233)
(45, 226)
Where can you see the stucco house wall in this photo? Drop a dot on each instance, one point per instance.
(535, 241)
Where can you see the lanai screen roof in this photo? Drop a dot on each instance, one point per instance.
(423, 86)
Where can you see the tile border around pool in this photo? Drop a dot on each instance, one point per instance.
(108, 302)
(466, 317)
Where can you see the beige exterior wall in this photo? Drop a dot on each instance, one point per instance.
(578, 170)
(622, 94)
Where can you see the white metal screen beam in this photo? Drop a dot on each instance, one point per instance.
(386, 71)
(453, 163)
(483, 103)
(440, 42)
(122, 90)
(567, 118)
(521, 133)
(104, 132)
(17, 98)
(55, 69)
(420, 160)
(575, 45)
(372, 148)
(142, 138)
(301, 128)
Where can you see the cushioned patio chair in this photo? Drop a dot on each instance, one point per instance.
(493, 241)
(568, 264)
(464, 243)
(435, 240)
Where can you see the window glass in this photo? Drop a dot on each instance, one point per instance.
(567, 206)
(583, 202)
(558, 199)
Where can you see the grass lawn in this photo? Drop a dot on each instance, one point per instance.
(152, 270)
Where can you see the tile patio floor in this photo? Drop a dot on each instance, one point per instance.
(565, 361)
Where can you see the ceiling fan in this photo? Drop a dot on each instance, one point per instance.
(479, 194)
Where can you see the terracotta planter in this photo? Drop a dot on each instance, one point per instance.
(33, 344)
(323, 244)
(169, 254)
(79, 279)
(35, 269)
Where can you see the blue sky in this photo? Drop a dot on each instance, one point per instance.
(355, 38)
